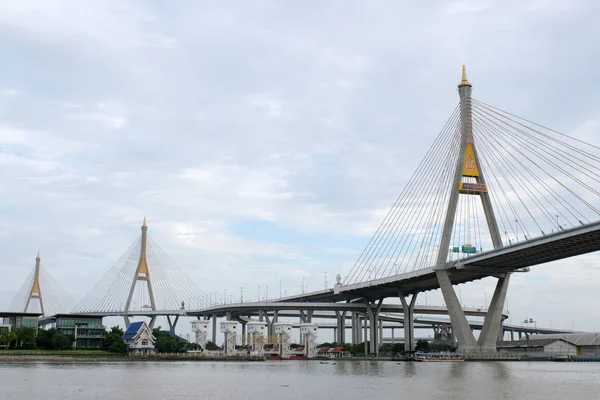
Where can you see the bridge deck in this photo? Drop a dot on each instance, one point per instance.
(568, 243)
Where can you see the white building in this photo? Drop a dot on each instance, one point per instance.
(139, 338)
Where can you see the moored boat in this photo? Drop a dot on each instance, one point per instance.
(437, 357)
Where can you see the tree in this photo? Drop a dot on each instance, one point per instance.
(44, 338)
(7, 337)
(165, 343)
(60, 341)
(113, 340)
(26, 338)
(210, 345)
(422, 345)
(398, 348)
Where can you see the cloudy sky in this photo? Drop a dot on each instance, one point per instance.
(265, 140)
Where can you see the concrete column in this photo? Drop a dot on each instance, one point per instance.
(380, 339)
(373, 315)
(173, 324)
(243, 334)
(214, 328)
(460, 325)
(512, 335)
(309, 314)
(393, 339)
(365, 334)
(520, 335)
(408, 309)
(342, 332)
(493, 319)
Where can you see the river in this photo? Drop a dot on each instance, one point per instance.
(349, 380)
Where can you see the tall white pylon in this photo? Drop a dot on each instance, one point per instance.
(142, 273)
(468, 167)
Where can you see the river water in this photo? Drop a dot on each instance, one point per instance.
(349, 380)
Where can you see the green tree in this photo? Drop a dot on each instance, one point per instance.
(26, 338)
(44, 339)
(60, 341)
(210, 345)
(113, 340)
(422, 345)
(7, 337)
(398, 348)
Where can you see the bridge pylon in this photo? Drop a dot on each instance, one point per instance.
(36, 290)
(142, 274)
(469, 180)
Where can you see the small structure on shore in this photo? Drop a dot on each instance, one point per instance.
(283, 330)
(229, 330)
(139, 338)
(257, 330)
(200, 328)
(309, 333)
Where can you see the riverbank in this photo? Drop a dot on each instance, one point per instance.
(59, 355)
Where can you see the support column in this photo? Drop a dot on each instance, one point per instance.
(493, 319)
(174, 325)
(380, 339)
(214, 328)
(373, 317)
(366, 335)
(275, 320)
(355, 329)
(512, 335)
(460, 326)
(343, 328)
(244, 341)
(408, 309)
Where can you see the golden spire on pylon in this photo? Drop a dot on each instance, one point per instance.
(144, 224)
(464, 81)
(38, 256)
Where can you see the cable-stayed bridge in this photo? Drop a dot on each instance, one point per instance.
(495, 194)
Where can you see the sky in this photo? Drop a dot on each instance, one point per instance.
(264, 141)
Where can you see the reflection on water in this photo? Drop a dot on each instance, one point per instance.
(299, 380)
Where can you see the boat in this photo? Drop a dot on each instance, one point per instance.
(438, 357)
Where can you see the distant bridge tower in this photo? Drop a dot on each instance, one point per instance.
(142, 274)
(469, 180)
(36, 291)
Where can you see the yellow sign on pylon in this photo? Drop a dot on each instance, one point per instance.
(470, 168)
(36, 288)
(143, 272)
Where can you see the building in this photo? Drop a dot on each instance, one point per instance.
(88, 332)
(539, 347)
(588, 343)
(18, 320)
(139, 338)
